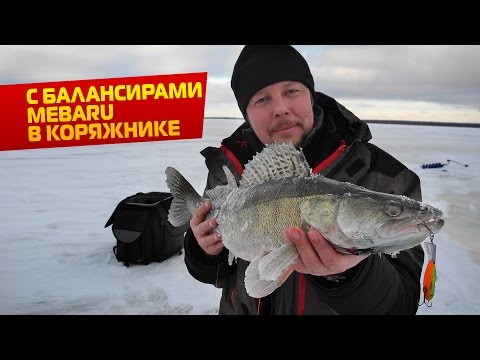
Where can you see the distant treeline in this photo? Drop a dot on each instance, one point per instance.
(397, 122)
(222, 117)
(429, 123)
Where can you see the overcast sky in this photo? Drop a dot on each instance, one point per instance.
(397, 82)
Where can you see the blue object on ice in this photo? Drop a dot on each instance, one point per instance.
(433, 165)
(439, 165)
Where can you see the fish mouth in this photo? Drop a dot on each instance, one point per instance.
(398, 236)
(431, 225)
(430, 222)
(422, 223)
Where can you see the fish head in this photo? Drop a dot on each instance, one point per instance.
(385, 223)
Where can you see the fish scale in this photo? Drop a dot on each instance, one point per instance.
(262, 221)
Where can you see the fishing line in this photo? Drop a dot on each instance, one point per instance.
(216, 284)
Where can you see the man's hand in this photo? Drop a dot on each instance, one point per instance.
(317, 256)
(209, 241)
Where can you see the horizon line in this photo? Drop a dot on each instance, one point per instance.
(399, 122)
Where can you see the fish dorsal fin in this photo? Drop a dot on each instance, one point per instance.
(275, 162)
(220, 192)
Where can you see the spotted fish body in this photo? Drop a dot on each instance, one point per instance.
(277, 191)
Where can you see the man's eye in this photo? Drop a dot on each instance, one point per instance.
(292, 91)
(260, 101)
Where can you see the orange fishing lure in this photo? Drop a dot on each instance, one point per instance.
(430, 274)
(429, 281)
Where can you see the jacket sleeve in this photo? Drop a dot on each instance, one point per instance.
(203, 267)
(381, 284)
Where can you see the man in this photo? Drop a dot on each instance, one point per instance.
(275, 92)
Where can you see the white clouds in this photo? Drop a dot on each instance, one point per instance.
(23, 64)
(422, 72)
(441, 75)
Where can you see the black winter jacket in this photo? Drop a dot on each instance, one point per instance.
(381, 284)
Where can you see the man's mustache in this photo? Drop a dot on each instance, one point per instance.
(285, 124)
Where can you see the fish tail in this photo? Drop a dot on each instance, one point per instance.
(184, 198)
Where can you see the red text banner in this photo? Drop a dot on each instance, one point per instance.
(102, 111)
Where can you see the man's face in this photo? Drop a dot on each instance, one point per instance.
(281, 112)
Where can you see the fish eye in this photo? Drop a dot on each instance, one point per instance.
(393, 209)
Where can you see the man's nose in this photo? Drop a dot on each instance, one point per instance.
(280, 107)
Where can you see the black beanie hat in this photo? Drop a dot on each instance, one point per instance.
(261, 65)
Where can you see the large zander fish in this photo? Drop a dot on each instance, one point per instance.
(278, 190)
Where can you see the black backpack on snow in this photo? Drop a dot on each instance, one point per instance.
(142, 230)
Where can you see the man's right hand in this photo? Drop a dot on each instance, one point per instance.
(209, 241)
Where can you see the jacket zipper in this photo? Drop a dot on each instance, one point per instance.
(302, 281)
(344, 154)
